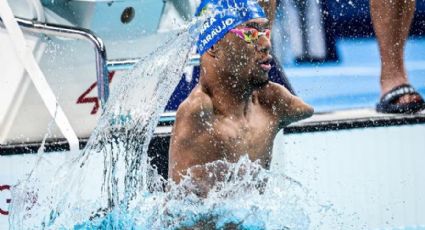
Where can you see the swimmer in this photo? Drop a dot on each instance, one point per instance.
(234, 110)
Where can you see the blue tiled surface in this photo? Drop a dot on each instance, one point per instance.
(353, 82)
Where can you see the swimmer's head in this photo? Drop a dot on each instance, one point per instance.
(223, 15)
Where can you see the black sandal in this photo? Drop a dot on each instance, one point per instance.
(387, 105)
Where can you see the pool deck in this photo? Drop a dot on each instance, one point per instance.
(319, 122)
(352, 119)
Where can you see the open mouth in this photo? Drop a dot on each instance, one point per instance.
(265, 64)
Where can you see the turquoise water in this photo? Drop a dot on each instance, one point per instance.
(235, 201)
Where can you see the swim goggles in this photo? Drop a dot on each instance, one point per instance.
(249, 34)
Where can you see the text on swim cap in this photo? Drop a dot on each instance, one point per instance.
(214, 32)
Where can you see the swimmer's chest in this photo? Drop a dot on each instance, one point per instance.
(252, 135)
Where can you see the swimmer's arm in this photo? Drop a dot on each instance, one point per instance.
(284, 106)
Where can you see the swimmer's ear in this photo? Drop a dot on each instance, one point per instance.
(212, 51)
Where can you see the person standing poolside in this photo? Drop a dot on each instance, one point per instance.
(234, 110)
(391, 22)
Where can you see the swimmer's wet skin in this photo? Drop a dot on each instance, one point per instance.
(234, 110)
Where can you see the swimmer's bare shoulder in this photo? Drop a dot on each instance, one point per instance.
(282, 105)
(193, 119)
(194, 114)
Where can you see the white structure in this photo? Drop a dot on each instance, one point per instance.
(129, 30)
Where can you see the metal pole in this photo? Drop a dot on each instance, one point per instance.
(126, 64)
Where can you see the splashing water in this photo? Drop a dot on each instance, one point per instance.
(236, 201)
(120, 142)
(128, 193)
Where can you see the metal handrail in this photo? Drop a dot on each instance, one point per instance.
(103, 66)
(76, 33)
(126, 64)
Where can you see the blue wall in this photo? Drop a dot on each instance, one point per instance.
(351, 18)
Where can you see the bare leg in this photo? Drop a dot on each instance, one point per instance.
(391, 21)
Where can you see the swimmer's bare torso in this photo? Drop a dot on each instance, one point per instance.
(203, 134)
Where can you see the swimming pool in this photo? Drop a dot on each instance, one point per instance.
(361, 176)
